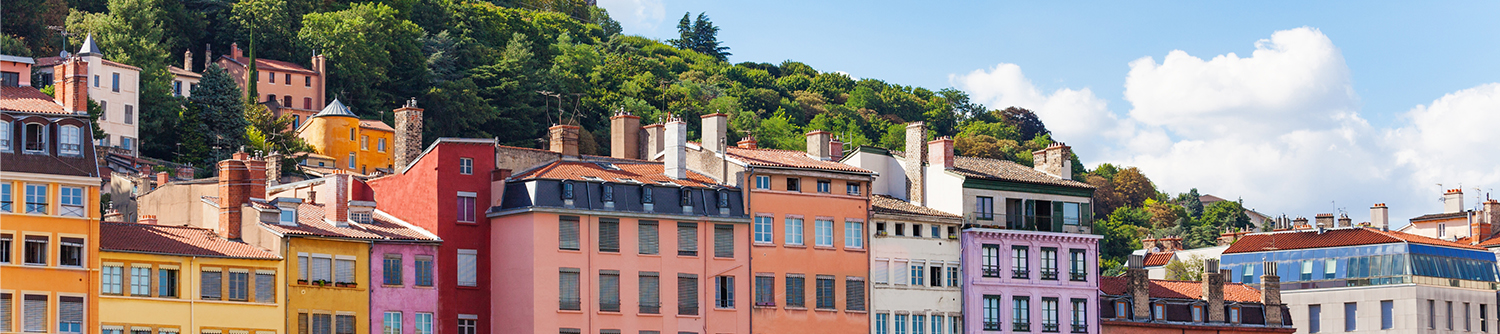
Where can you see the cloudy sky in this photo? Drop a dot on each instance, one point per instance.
(1296, 108)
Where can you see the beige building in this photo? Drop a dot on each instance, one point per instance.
(183, 78)
(116, 87)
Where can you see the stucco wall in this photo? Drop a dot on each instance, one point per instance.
(113, 122)
(897, 253)
(976, 286)
(890, 179)
(329, 135)
(188, 312)
(780, 258)
(178, 203)
(330, 299)
(406, 297)
(52, 280)
(1409, 311)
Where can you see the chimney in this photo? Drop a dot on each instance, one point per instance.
(1139, 287)
(715, 126)
(1213, 290)
(655, 142)
(320, 65)
(624, 136)
(208, 56)
(916, 138)
(408, 134)
(1270, 294)
(746, 143)
(162, 178)
(234, 52)
(187, 60)
(114, 216)
(817, 144)
(337, 210)
(1056, 159)
(1344, 220)
(563, 139)
(1491, 215)
(940, 152)
(497, 186)
(273, 169)
(240, 180)
(675, 162)
(1380, 216)
(1323, 220)
(835, 149)
(146, 219)
(1299, 222)
(72, 81)
(1453, 201)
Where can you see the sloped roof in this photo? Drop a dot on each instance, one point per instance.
(1233, 292)
(643, 171)
(335, 108)
(310, 223)
(179, 71)
(89, 47)
(376, 125)
(271, 65)
(28, 99)
(175, 240)
(1003, 170)
(887, 204)
(788, 159)
(1441, 216)
(1158, 259)
(1340, 237)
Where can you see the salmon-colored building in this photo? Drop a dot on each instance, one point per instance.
(297, 90)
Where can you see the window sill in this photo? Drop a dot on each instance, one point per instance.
(856, 311)
(467, 223)
(608, 312)
(825, 248)
(570, 311)
(794, 246)
(687, 256)
(795, 308)
(856, 250)
(690, 316)
(464, 287)
(762, 244)
(826, 310)
(723, 258)
(648, 314)
(768, 307)
(561, 250)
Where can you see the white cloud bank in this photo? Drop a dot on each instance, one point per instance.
(636, 16)
(1280, 129)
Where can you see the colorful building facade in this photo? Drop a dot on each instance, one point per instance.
(355, 145)
(1015, 281)
(298, 90)
(116, 87)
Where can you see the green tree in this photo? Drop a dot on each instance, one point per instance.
(1190, 201)
(1027, 124)
(131, 33)
(1133, 187)
(1226, 214)
(271, 26)
(1190, 270)
(700, 35)
(375, 57)
(268, 134)
(215, 117)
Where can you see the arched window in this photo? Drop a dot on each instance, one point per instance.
(36, 138)
(70, 141)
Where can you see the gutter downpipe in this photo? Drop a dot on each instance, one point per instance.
(750, 172)
(193, 303)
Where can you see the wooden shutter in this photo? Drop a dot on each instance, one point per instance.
(854, 294)
(345, 324)
(796, 292)
(687, 239)
(1086, 214)
(302, 323)
(649, 236)
(687, 294)
(70, 309)
(724, 240)
(6, 314)
(609, 235)
(1057, 217)
(265, 288)
(567, 233)
(211, 284)
(34, 307)
(302, 267)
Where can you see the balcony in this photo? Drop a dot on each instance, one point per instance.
(990, 271)
(990, 325)
(1049, 328)
(1049, 274)
(650, 308)
(1022, 273)
(1079, 328)
(1021, 326)
(1078, 276)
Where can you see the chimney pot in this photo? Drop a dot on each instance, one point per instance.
(1453, 201)
(940, 152)
(817, 144)
(624, 136)
(564, 139)
(747, 143)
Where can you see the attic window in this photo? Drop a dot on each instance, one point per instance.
(723, 199)
(288, 216)
(594, 179)
(607, 193)
(360, 216)
(647, 195)
(567, 190)
(606, 165)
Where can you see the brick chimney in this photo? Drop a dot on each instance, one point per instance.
(497, 186)
(1453, 201)
(336, 208)
(916, 139)
(940, 152)
(72, 81)
(187, 60)
(835, 149)
(241, 179)
(624, 136)
(563, 139)
(146, 219)
(408, 134)
(1213, 290)
(1139, 287)
(675, 161)
(234, 51)
(715, 126)
(746, 143)
(1300, 222)
(1380, 216)
(1491, 215)
(1270, 294)
(1056, 159)
(817, 144)
(162, 178)
(655, 141)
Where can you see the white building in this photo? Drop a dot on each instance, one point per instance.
(116, 87)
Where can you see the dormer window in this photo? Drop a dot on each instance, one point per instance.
(5, 136)
(648, 198)
(361, 215)
(607, 195)
(685, 199)
(288, 216)
(69, 139)
(723, 199)
(36, 138)
(567, 190)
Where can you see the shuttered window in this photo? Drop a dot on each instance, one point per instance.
(765, 290)
(265, 287)
(239, 285)
(724, 240)
(649, 237)
(322, 324)
(796, 290)
(345, 324)
(567, 286)
(34, 308)
(650, 292)
(687, 294)
(609, 236)
(881, 271)
(687, 239)
(70, 314)
(567, 233)
(854, 294)
(344, 271)
(211, 284)
(302, 323)
(903, 273)
(609, 290)
(468, 267)
(825, 292)
(6, 313)
(302, 267)
(322, 268)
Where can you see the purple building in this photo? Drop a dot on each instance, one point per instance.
(403, 291)
(1029, 281)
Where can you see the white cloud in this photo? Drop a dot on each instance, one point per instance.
(1451, 141)
(636, 16)
(1071, 115)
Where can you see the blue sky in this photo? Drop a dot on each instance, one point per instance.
(1345, 102)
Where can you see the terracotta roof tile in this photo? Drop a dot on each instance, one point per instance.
(1233, 292)
(887, 204)
(1158, 259)
(642, 171)
(180, 71)
(789, 159)
(54, 61)
(1441, 216)
(374, 124)
(28, 99)
(310, 222)
(1003, 170)
(271, 65)
(175, 240)
(1341, 237)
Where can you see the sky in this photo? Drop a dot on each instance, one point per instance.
(1295, 107)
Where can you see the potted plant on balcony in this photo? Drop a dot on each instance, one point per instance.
(320, 283)
(301, 282)
(880, 233)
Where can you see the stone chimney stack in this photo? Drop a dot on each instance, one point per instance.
(916, 139)
(241, 179)
(1323, 220)
(1139, 287)
(1270, 294)
(655, 141)
(72, 85)
(625, 136)
(675, 161)
(715, 126)
(146, 219)
(1380, 216)
(1453, 201)
(408, 134)
(940, 152)
(208, 56)
(187, 60)
(1299, 222)
(1213, 290)
(563, 139)
(817, 144)
(746, 143)
(1056, 159)
(273, 169)
(1491, 215)
(835, 149)
(1344, 220)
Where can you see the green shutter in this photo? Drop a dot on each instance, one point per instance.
(1086, 215)
(1057, 217)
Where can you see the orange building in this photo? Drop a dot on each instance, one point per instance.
(357, 145)
(297, 90)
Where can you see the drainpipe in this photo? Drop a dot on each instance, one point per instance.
(192, 302)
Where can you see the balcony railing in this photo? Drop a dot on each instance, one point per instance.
(572, 304)
(650, 308)
(1021, 326)
(1080, 328)
(1022, 273)
(1049, 328)
(1078, 276)
(991, 325)
(1049, 274)
(991, 271)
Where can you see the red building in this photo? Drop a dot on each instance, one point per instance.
(444, 190)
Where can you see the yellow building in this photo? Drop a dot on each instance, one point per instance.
(189, 280)
(49, 190)
(356, 145)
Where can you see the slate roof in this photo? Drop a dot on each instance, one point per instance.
(887, 204)
(89, 47)
(175, 240)
(1441, 216)
(374, 124)
(1004, 170)
(1233, 292)
(643, 171)
(789, 159)
(335, 108)
(1340, 237)
(1158, 259)
(310, 223)
(29, 99)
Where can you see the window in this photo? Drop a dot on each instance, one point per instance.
(1330, 268)
(1234, 315)
(937, 232)
(1018, 263)
(990, 267)
(1158, 311)
(1120, 310)
(1431, 314)
(70, 252)
(344, 270)
(114, 82)
(265, 286)
(306, 104)
(825, 292)
(271, 76)
(36, 138)
(69, 314)
(343, 324)
(825, 186)
(724, 292)
(1078, 265)
(648, 236)
(917, 270)
(854, 293)
(567, 233)
(140, 281)
(1049, 263)
(465, 165)
(881, 271)
(852, 188)
(1049, 315)
(351, 160)
(793, 231)
(1442, 230)
(468, 267)
(1307, 269)
(953, 276)
(1249, 274)
(882, 321)
(918, 324)
(650, 292)
(34, 307)
(468, 326)
(936, 280)
(69, 141)
(1466, 318)
(937, 324)
(361, 216)
(1021, 314)
(1484, 318)
(793, 184)
(36, 198)
(991, 312)
(36, 250)
(391, 323)
(824, 230)
(724, 241)
(127, 143)
(322, 323)
(7, 313)
(609, 236)
(288, 80)
(854, 236)
(901, 323)
(239, 285)
(1080, 318)
(609, 290)
(364, 143)
(111, 278)
(765, 290)
(1070, 214)
(422, 322)
(423, 268)
(466, 207)
(5, 205)
(351, 133)
(1314, 318)
(96, 80)
(5, 136)
(1349, 316)
(307, 81)
(392, 269)
(211, 284)
(762, 182)
(568, 287)
(297, 123)
(984, 208)
(1449, 313)
(288, 215)
(687, 239)
(1388, 314)
(763, 229)
(687, 294)
(796, 290)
